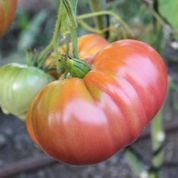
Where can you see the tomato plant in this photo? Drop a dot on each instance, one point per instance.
(7, 13)
(19, 85)
(85, 121)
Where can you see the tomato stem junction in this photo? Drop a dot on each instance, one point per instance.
(75, 67)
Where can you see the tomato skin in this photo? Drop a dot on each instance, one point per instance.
(19, 85)
(30, 127)
(88, 46)
(85, 121)
(7, 13)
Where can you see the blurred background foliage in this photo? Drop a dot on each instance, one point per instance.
(152, 21)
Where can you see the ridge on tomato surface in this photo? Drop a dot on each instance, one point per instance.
(7, 13)
(85, 121)
(19, 85)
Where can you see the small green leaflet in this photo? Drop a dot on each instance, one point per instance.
(169, 10)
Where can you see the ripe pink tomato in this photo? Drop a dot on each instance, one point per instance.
(85, 121)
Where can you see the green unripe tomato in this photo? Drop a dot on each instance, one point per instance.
(19, 84)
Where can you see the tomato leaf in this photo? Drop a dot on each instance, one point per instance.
(169, 10)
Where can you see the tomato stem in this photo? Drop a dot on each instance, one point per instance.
(101, 13)
(53, 43)
(158, 139)
(136, 163)
(96, 6)
(76, 67)
(71, 9)
(74, 41)
(88, 27)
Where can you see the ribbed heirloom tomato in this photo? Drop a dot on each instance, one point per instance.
(7, 13)
(85, 121)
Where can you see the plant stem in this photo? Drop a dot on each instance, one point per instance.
(71, 9)
(158, 139)
(101, 13)
(89, 28)
(136, 163)
(97, 6)
(54, 40)
(74, 41)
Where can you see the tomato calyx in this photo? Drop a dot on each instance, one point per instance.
(74, 67)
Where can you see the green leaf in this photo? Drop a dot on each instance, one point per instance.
(169, 10)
